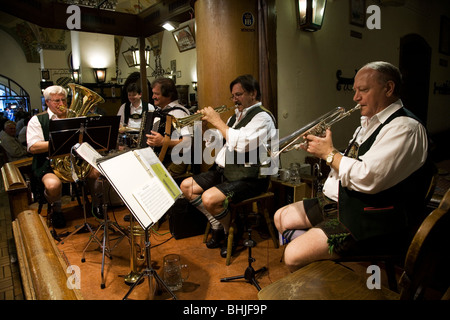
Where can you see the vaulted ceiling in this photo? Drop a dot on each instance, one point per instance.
(42, 23)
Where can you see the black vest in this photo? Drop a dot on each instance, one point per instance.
(41, 163)
(235, 169)
(389, 212)
(127, 111)
(162, 113)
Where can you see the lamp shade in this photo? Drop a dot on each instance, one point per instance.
(132, 56)
(310, 14)
(100, 74)
(76, 75)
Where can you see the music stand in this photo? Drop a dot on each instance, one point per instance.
(149, 272)
(64, 134)
(148, 190)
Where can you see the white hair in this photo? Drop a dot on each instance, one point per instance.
(48, 92)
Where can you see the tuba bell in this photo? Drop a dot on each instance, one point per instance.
(83, 99)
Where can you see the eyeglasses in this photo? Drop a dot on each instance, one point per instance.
(58, 101)
(236, 95)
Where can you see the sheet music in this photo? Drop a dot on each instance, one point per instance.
(149, 202)
(143, 183)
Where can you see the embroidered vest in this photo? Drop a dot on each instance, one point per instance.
(127, 111)
(392, 211)
(243, 165)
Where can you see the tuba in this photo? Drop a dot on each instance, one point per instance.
(316, 127)
(137, 251)
(83, 99)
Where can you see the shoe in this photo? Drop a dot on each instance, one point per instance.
(217, 236)
(97, 212)
(224, 249)
(58, 220)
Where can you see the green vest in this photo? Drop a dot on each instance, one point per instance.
(235, 169)
(389, 212)
(41, 163)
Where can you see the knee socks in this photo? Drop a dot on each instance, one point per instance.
(225, 219)
(215, 224)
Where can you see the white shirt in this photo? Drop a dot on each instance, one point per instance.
(400, 148)
(34, 129)
(132, 123)
(261, 129)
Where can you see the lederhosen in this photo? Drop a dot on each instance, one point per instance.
(392, 212)
(127, 112)
(247, 164)
(41, 164)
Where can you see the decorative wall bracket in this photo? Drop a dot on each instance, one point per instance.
(442, 89)
(347, 83)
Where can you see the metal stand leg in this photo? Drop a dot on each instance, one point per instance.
(106, 225)
(149, 272)
(249, 273)
(86, 226)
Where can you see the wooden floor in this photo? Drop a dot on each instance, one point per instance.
(10, 283)
(206, 266)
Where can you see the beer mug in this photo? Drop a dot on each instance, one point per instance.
(173, 270)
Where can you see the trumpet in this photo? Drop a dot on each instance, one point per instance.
(316, 127)
(189, 120)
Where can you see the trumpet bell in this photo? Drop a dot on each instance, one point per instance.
(180, 123)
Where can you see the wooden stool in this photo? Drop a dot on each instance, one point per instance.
(260, 205)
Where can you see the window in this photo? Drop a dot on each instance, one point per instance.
(12, 98)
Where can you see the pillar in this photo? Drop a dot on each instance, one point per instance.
(227, 46)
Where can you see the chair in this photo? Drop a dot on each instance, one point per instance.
(425, 274)
(261, 203)
(392, 260)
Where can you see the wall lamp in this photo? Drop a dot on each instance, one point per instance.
(310, 14)
(194, 85)
(76, 75)
(99, 74)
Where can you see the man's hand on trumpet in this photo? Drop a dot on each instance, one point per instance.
(321, 147)
(213, 117)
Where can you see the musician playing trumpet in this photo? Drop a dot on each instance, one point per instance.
(377, 185)
(229, 179)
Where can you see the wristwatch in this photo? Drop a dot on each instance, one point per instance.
(330, 157)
